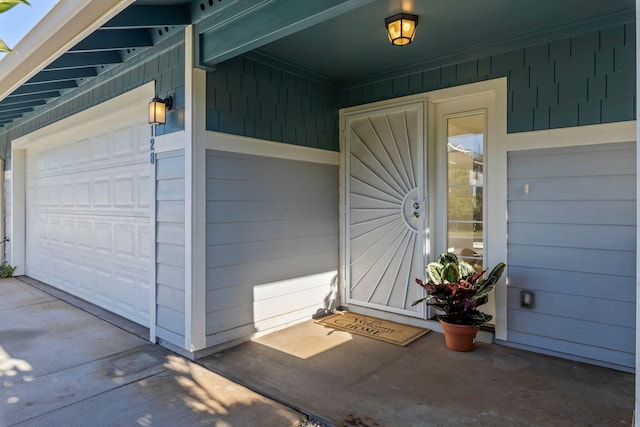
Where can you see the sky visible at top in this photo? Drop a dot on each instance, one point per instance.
(19, 20)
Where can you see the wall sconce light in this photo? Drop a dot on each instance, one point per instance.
(158, 110)
(401, 28)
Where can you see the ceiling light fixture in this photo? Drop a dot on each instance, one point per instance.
(401, 28)
(158, 110)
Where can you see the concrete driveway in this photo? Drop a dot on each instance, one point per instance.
(62, 366)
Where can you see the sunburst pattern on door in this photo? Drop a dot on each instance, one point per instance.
(386, 212)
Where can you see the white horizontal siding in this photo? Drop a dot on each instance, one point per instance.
(242, 232)
(572, 258)
(571, 241)
(558, 281)
(570, 349)
(170, 211)
(254, 311)
(171, 276)
(272, 242)
(170, 247)
(170, 254)
(618, 313)
(169, 232)
(560, 162)
(588, 236)
(171, 189)
(572, 212)
(587, 188)
(593, 333)
(249, 211)
(261, 251)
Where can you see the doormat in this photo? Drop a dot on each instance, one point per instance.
(372, 327)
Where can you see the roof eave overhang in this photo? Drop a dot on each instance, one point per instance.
(68, 23)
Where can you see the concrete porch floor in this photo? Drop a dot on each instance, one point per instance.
(68, 365)
(350, 380)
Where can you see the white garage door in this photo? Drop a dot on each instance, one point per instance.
(88, 204)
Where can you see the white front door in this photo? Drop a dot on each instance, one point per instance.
(385, 194)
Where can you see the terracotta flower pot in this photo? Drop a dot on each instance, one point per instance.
(459, 337)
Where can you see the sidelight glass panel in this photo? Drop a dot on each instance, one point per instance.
(465, 158)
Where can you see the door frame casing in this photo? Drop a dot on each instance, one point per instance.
(494, 95)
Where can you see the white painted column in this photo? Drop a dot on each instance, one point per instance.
(19, 215)
(195, 201)
(153, 297)
(497, 188)
(637, 394)
(2, 210)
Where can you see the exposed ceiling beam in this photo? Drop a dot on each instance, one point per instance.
(220, 38)
(146, 16)
(45, 87)
(18, 99)
(11, 107)
(87, 59)
(59, 75)
(114, 40)
(64, 26)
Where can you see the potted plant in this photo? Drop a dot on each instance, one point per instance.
(457, 290)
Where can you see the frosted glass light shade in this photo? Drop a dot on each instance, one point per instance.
(401, 28)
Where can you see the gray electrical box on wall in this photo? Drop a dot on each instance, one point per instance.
(526, 299)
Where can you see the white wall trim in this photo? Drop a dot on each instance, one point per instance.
(490, 100)
(260, 147)
(478, 88)
(153, 285)
(436, 96)
(636, 412)
(171, 142)
(573, 136)
(7, 232)
(195, 201)
(18, 210)
(64, 26)
(188, 184)
(343, 206)
(497, 196)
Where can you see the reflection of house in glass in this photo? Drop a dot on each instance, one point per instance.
(465, 148)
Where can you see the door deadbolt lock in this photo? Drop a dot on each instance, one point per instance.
(418, 208)
(413, 210)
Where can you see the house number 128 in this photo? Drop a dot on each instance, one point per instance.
(152, 146)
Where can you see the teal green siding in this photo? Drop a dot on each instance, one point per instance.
(582, 80)
(163, 63)
(248, 98)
